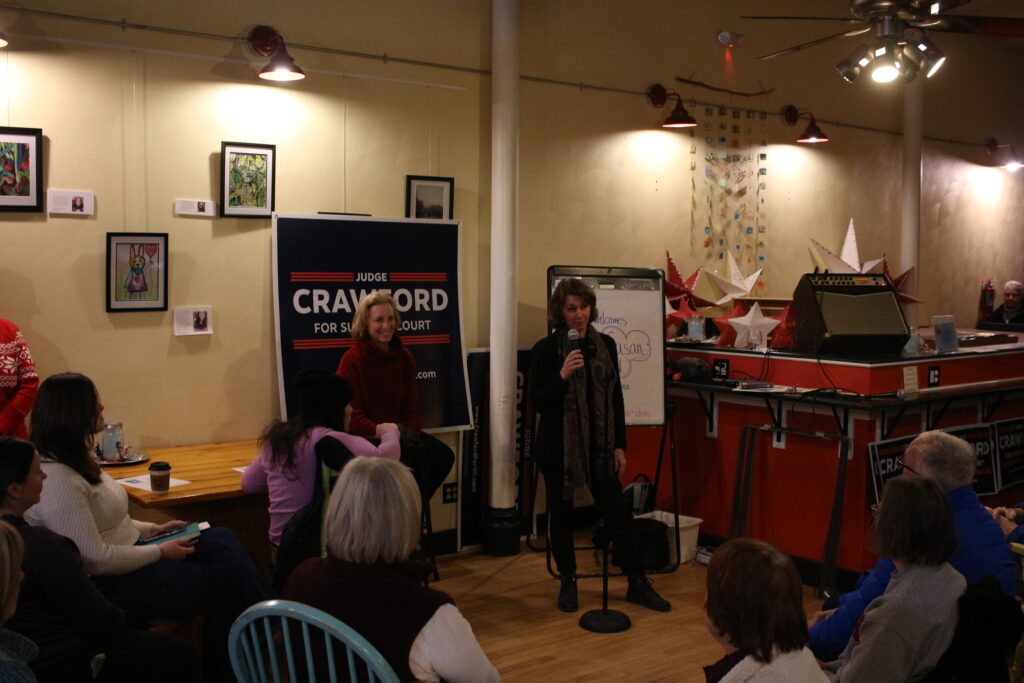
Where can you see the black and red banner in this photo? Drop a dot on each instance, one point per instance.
(323, 267)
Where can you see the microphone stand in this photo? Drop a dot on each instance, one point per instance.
(605, 620)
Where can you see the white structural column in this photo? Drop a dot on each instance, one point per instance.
(501, 536)
(910, 218)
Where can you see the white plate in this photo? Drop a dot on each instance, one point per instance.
(135, 460)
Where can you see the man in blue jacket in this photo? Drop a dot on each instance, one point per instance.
(981, 546)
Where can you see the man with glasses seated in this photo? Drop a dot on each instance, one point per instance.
(981, 546)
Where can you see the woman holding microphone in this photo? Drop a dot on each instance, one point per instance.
(581, 439)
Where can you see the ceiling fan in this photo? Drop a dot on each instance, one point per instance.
(901, 47)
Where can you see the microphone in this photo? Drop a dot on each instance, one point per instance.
(574, 339)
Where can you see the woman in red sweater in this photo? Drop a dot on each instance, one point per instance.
(382, 373)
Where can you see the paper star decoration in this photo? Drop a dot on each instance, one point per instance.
(784, 335)
(849, 260)
(898, 283)
(678, 290)
(737, 285)
(678, 319)
(726, 332)
(752, 326)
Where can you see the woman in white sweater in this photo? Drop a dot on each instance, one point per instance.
(213, 577)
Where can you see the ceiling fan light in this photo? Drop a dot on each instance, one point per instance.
(888, 65)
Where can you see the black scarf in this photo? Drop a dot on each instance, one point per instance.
(588, 439)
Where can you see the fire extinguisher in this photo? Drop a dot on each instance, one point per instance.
(987, 301)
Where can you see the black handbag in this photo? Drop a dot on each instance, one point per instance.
(639, 496)
(650, 542)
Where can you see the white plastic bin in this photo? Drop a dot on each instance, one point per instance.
(689, 528)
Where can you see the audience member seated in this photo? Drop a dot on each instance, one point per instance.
(373, 523)
(62, 611)
(383, 377)
(981, 549)
(18, 380)
(16, 651)
(1010, 520)
(905, 631)
(286, 465)
(211, 576)
(1011, 311)
(754, 609)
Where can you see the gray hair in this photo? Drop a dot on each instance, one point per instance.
(947, 459)
(361, 319)
(374, 512)
(1016, 284)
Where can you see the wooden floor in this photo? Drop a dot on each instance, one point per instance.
(510, 602)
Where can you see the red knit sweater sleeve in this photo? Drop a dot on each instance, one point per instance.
(18, 380)
(351, 369)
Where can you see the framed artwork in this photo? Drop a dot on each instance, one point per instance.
(21, 169)
(246, 179)
(429, 196)
(136, 271)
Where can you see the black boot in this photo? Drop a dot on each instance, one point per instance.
(642, 593)
(567, 600)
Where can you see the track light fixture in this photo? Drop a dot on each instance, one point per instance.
(812, 134)
(266, 41)
(658, 96)
(1004, 154)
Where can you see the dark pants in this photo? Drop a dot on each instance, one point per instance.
(218, 581)
(430, 461)
(135, 655)
(608, 498)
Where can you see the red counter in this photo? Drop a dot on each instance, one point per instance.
(794, 477)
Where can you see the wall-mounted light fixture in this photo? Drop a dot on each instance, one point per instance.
(658, 96)
(791, 116)
(1004, 154)
(266, 41)
(3, 40)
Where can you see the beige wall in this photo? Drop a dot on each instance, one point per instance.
(599, 184)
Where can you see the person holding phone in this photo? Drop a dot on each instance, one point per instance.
(176, 579)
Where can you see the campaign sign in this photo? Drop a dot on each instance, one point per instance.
(476, 445)
(1010, 445)
(883, 455)
(323, 267)
(982, 439)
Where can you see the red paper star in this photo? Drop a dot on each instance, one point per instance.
(726, 332)
(678, 318)
(678, 290)
(898, 283)
(784, 336)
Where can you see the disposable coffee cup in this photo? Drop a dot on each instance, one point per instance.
(160, 477)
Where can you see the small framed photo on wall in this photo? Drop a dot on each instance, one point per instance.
(136, 271)
(21, 169)
(429, 197)
(247, 180)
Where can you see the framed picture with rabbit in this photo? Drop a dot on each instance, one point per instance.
(136, 271)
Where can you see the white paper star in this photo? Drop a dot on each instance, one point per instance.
(752, 325)
(849, 260)
(736, 286)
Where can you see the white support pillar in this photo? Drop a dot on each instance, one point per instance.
(501, 535)
(910, 215)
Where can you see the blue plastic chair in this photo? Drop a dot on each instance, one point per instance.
(263, 635)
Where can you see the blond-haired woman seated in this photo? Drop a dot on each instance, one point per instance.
(373, 523)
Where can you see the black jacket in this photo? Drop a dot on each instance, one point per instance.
(547, 390)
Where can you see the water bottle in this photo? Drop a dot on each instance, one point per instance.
(113, 442)
(695, 328)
